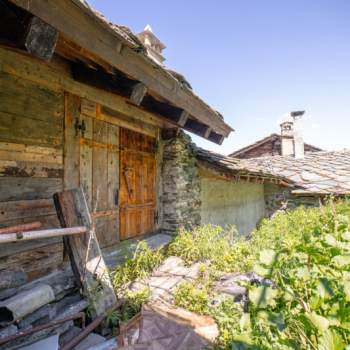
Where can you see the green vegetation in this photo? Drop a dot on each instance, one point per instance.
(305, 252)
(143, 262)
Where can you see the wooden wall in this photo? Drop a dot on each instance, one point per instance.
(36, 161)
(31, 169)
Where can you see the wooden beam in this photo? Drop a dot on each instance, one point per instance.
(84, 251)
(78, 23)
(41, 39)
(183, 118)
(216, 138)
(116, 83)
(196, 127)
(138, 93)
(164, 109)
(57, 78)
(30, 235)
(207, 133)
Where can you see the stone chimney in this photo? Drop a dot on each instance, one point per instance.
(292, 142)
(287, 138)
(299, 151)
(153, 45)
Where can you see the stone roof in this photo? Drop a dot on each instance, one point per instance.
(237, 166)
(317, 173)
(272, 137)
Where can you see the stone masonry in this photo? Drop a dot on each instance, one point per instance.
(181, 183)
(278, 198)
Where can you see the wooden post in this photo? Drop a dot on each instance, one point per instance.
(84, 251)
(138, 93)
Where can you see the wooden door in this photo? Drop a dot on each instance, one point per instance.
(92, 162)
(137, 184)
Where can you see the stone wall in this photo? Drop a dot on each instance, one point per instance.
(181, 184)
(280, 198)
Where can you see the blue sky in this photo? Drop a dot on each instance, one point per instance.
(256, 60)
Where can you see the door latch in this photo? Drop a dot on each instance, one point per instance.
(79, 127)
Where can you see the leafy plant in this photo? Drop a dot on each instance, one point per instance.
(204, 243)
(132, 305)
(143, 262)
(192, 298)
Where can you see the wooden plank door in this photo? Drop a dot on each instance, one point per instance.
(92, 162)
(137, 184)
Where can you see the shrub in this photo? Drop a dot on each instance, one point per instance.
(191, 298)
(143, 262)
(204, 243)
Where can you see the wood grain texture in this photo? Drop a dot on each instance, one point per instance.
(19, 188)
(137, 184)
(35, 262)
(57, 78)
(25, 98)
(85, 253)
(21, 129)
(88, 32)
(71, 144)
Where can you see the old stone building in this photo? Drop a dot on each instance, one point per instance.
(276, 144)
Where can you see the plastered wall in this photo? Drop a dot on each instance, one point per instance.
(225, 202)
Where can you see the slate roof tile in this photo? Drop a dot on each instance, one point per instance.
(318, 172)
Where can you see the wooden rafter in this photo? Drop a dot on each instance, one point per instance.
(80, 25)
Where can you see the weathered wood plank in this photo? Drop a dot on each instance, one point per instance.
(19, 188)
(29, 169)
(21, 227)
(86, 172)
(87, 32)
(53, 155)
(14, 210)
(128, 122)
(100, 168)
(14, 249)
(71, 144)
(34, 262)
(25, 98)
(18, 129)
(107, 230)
(55, 78)
(85, 253)
(88, 108)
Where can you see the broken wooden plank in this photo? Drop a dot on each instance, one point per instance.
(20, 228)
(84, 251)
(30, 235)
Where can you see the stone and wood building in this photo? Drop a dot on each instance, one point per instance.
(282, 144)
(87, 104)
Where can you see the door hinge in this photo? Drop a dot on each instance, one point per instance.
(156, 217)
(79, 127)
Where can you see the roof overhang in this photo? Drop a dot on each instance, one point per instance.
(78, 23)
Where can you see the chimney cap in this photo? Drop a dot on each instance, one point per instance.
(295, 114)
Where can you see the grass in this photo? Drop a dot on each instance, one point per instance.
(306, 252)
